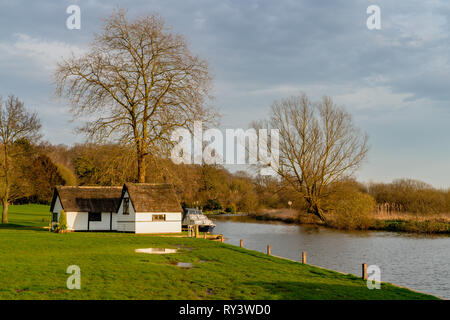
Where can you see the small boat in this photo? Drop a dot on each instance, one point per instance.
(196, 217)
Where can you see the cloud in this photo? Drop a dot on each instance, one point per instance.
(394, 80)
(34, 55)
(26, 67)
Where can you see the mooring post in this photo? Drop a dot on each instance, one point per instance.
(304, 257)
(364, 271)
(268, 249)
(242, 243)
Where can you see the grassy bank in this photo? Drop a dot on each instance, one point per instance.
(34, 262)
(402, 222)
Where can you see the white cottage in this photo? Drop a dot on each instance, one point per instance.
(149, 208)
(138, 208)
(87, 208)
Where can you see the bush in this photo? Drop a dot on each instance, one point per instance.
(231, 208)
(212, 204)
(407, 195)
(354, 211)
(62, 225)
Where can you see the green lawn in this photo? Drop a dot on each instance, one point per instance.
(33, 263)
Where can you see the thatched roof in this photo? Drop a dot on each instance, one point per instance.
(153, 197)
(88, 199)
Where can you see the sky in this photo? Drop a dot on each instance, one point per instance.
(395, 81)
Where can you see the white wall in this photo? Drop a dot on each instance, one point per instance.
(101, 225)
(77, 221)
(58, 207)
(126, 223)
(145, 223)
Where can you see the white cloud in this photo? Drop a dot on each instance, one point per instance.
(35, 54)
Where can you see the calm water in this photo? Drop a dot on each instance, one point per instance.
(415, 261)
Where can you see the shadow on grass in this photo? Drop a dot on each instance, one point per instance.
(14, 226)
(299, 290)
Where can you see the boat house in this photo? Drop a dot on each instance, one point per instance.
(138, 208)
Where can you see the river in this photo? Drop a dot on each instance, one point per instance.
(420, 262)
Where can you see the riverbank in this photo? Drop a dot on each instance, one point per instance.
(401, 222)
(201, 269)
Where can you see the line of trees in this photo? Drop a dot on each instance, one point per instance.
(42, 165)
(408, 195)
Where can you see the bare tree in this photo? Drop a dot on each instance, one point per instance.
(319, 145)
(16, 124)
(137, 83)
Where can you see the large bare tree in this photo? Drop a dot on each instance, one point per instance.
(16, 125)
(137, 82)
(319, 146)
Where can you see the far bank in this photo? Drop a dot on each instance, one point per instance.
(398, 221)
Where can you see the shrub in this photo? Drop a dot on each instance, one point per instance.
(62, 225)
(212, 204)
(231, 208)
(354, 211)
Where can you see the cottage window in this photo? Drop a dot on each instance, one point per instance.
(159, 217)
(126, 206)
(54, 217)
(95, 216)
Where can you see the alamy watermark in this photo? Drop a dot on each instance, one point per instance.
(74, 280)
(74, 20)
(373, 277)
(241, 146)
(374, 20)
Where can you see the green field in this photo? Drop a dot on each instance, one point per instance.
(33, 265)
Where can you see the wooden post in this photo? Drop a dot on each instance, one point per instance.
(364, 271)
(221, 238)
(242, 243)
(304, 257)
(268, 249)
(204, 235)
(197, 233)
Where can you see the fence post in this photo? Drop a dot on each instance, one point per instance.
(204, 235)
(197, 233)
(268, 249)
(364, 271)
(242, 243)
(304, 257)
(221, 238)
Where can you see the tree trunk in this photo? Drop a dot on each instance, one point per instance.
(141, 168)
(320, 214)
(5, 211)
(317, 211)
